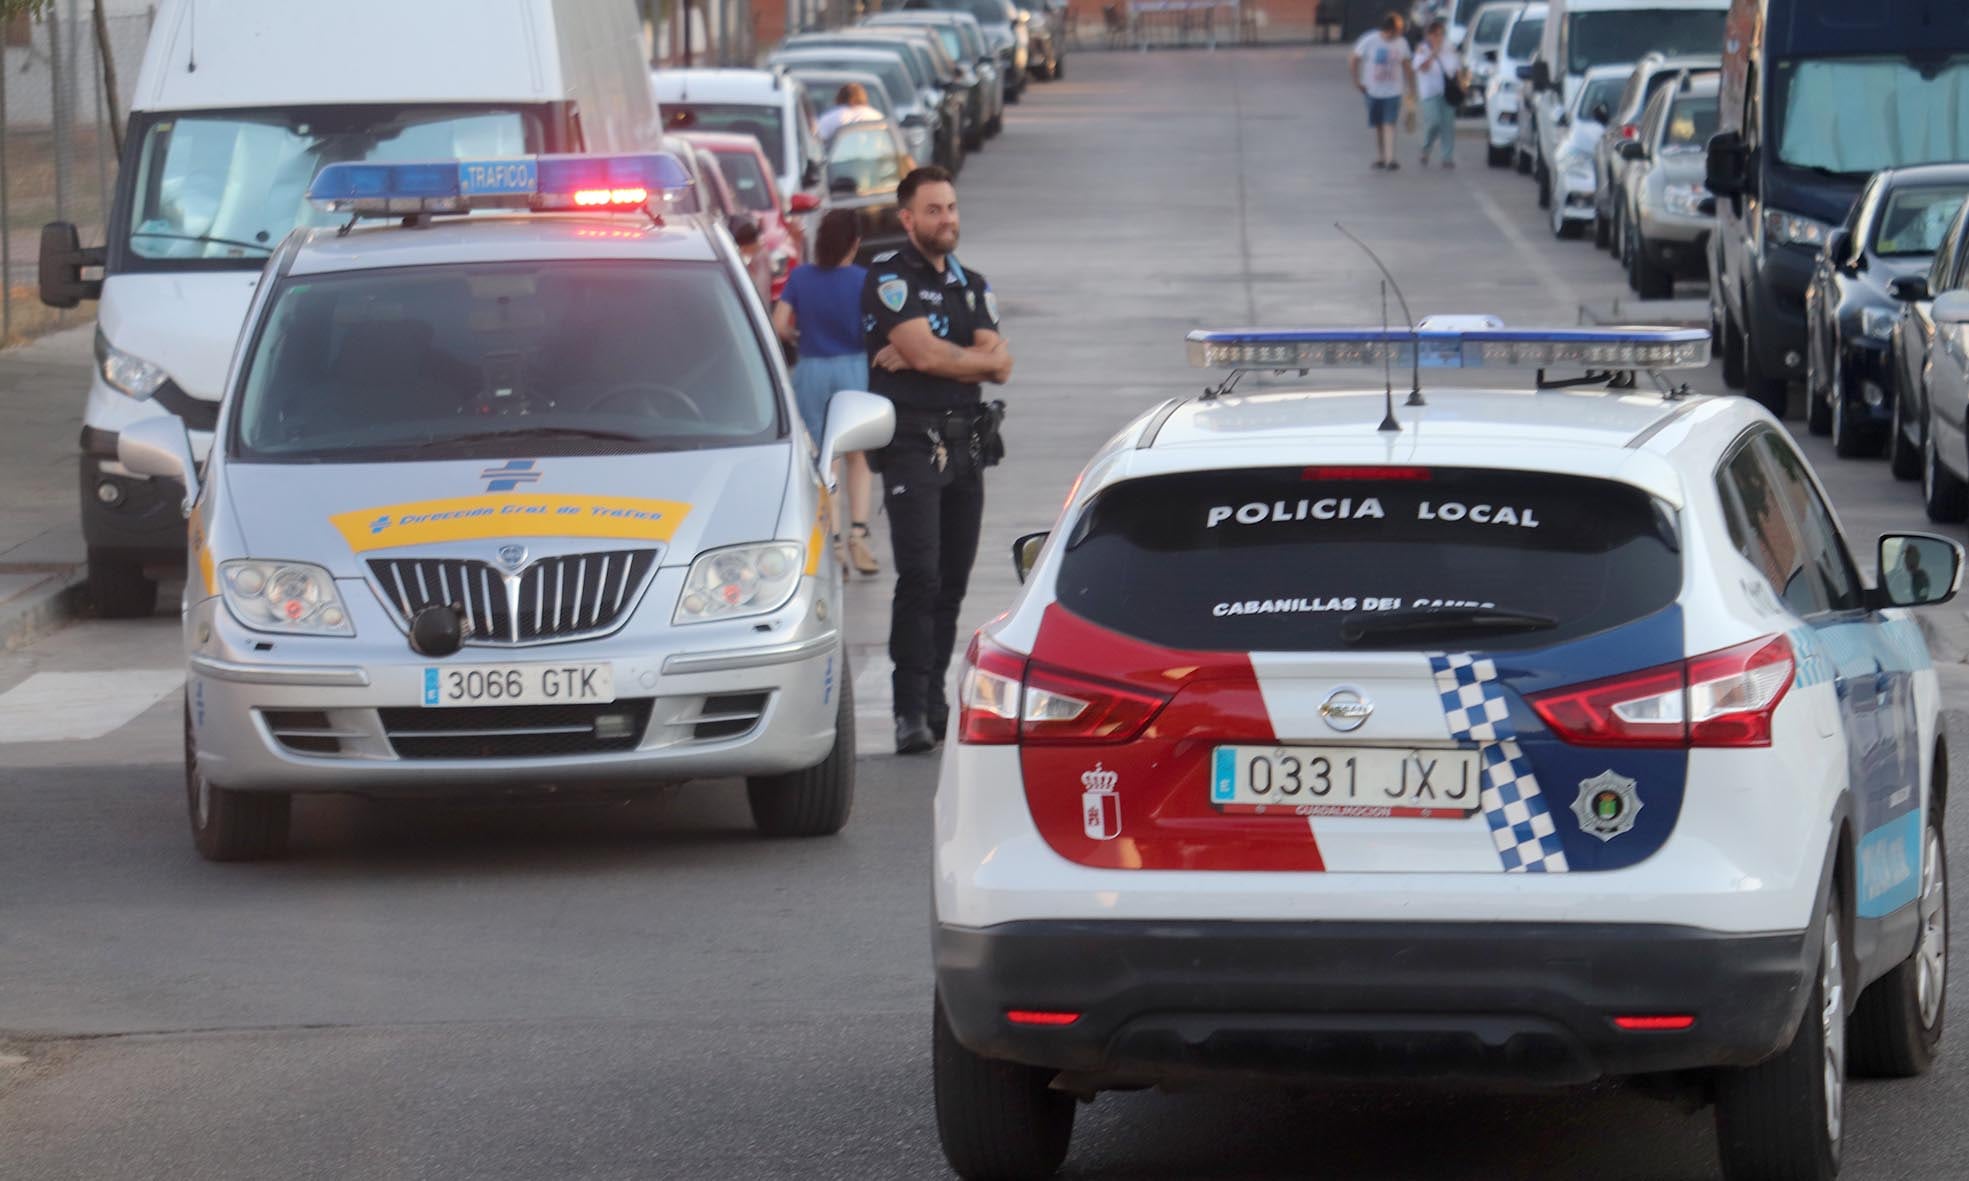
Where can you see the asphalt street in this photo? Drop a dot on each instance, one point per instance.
(645, 989)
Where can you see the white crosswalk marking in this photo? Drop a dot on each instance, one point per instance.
(81, 706)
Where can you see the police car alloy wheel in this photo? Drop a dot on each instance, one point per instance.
(1784, 1118)
(232, 825)
(814, 802)
(997, 1121)
(1897, 1024)
(1943, 494)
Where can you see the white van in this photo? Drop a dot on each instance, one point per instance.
(1581, 34)
(238, 104)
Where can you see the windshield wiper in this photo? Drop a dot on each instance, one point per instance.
(531, 432)
(1357, 628)
(260, 246)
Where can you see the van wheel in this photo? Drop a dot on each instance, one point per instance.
(1729, 342)
(1649, 279)
(1850, 440)
(1820, 390)
(814, 802)
(1523, 161)
(1897, 1026)
(1783, 1119)
(1944, 496)
(232, 825)
(1903, 458)
(119, 587)
(1603, 230)
(1498, 157)
(998, 1121)
(1772, 393)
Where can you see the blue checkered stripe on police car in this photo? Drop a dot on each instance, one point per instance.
(1520, 824)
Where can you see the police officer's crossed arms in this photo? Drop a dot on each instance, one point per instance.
(931, 328)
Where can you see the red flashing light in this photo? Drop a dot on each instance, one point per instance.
(1040, 1017)
(1417, 474)
(611, 198)
(1656, 1023)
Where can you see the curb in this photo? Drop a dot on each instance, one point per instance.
(44, 607)
(1676, 313)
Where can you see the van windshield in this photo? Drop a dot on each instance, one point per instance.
(228, 186)
(760, 122)
(1623, 35)
(577, 357)
(1859, 115)
(1524, 39)
(1490, 26)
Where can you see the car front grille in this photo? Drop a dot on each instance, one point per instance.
(515, 731)
(556, 598)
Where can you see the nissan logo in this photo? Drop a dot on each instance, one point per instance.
(1346, 710)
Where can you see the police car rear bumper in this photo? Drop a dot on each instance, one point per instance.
(1504, 1002)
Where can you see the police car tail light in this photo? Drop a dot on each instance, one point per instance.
(988, 695)
(1734, 693)
(284, 597)
(1634, 709)
(1063, 708)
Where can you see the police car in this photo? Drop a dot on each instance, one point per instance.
(509, 500)
(1541, 734)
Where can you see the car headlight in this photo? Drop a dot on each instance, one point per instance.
(126, 372)
(1683, 199)
(740, 580)
(1793, 230)
(1879, 322)
(284, 597)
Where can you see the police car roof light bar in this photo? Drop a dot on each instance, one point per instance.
(1436, 344)
(652, 181)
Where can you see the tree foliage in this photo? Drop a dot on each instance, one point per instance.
(10, 9)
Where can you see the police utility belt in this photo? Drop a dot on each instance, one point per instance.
(978, 429)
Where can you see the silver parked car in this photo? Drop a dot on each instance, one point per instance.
(1661, 229)
(508, 501)
(1623, 122)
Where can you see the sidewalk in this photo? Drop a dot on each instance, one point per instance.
(41, 554)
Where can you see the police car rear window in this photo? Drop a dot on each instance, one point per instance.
(1294, 559)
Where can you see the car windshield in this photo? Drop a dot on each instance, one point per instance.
(1600, 92)
(1524, 39)
(1915, 219)
(1622, 35)
(1691, 123)
(894, 78)
(1491, 26)
(864, 154)
(1860, 115)
(760, 122)
(228, 186)
(987, 11)
(577, 357)
(1277, 559)
(747, 180)
(828, 86)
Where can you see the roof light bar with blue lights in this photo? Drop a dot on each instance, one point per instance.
(1452, 347)
(656, 181)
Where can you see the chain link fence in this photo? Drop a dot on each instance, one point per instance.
(58, 155)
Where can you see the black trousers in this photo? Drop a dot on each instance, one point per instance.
(934, 520)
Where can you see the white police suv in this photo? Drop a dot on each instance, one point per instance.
(1543, 735)
(509, 500)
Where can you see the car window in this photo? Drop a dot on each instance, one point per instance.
(1524, 38)
(1490, 26)
(865, 154)
(1691, 121)
(1279, 558)
(1600, 91)
(424, 362)
(760, 122)
(1760, 530)
(1651, 122)
(1941, 272)
(747, 180)
(1913, 220)
(1826, 561)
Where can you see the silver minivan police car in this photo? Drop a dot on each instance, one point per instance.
(510, 500)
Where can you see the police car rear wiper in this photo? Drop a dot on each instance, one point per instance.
(1357, 628)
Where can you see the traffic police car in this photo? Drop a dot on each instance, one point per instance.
(1543, 735)
(509, 500)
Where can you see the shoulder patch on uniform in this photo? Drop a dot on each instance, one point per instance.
(893, 293)
(991, 304)
(885, 256)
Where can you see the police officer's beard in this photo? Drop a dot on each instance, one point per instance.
(945, 243)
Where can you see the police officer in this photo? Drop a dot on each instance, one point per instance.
(931, 328)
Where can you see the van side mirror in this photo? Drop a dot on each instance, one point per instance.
(1490, 55)
(1600, 113)
(1524, 73)
(1728, 165)
(62, 259)
(856, 421)
(1917, 570)
(1909, 288)
(1541, 75)
(160, 447)
(1839, 248)
(1025, 553)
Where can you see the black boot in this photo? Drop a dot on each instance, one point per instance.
(913, 736)
(939, 721)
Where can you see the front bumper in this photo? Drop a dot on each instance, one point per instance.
(1775, 317)
(1869, 371)
(133, 517)
(1163, 1001)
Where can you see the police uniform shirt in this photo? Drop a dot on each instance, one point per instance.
(956, 303)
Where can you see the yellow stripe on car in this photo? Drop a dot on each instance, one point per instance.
(519, 514)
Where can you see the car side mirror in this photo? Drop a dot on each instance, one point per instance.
(1600, 113)
(62, 260)
(1909, 288)
(1917, 570)
(1952, 307)
(160, 447)
(1839, 248)
(1541, 75)
(1632, 149)
(1524, 73)
(1490, 55)
(856, 421)
(744, 229)
(804, 202)
(1728, 165)
(1025, 553)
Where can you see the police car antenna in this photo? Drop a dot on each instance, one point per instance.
(1415, 385)
(1388, 422)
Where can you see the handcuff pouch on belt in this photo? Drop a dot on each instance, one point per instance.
(978, 427)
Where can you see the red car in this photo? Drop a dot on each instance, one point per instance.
(749, 176)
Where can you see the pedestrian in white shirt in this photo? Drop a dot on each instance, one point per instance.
(1435, 68)
(1382, 73)
(850, 106)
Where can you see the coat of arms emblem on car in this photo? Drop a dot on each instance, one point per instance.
(1607, 805)
(1100, 807)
